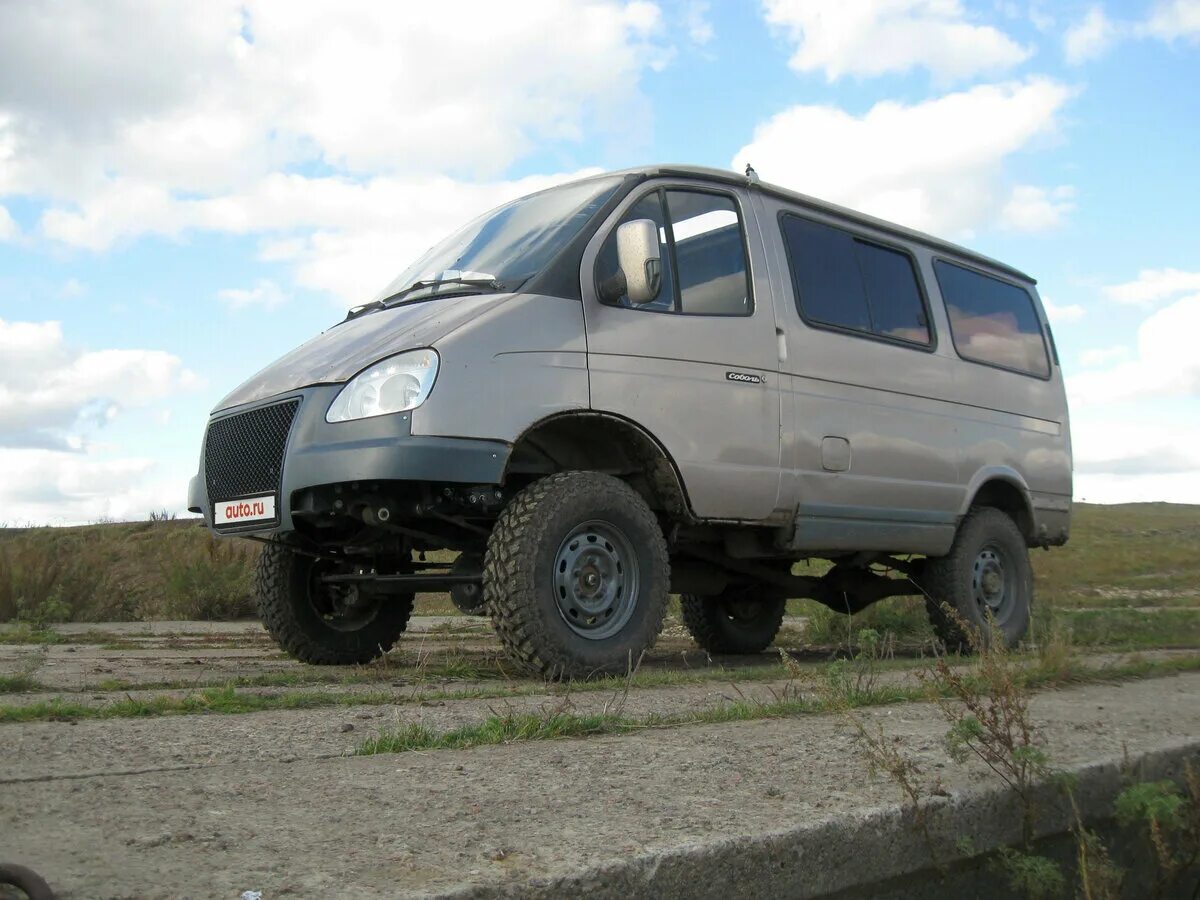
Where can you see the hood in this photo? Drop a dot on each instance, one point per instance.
(346, 349)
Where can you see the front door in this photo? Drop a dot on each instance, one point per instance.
(697, 367)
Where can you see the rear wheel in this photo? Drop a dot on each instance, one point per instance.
(576, 576)
(320, 623)
(982, 590)
(738, 620)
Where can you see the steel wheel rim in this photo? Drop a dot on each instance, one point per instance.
(339, 608)
(596, 580)
(993, 583)
(742, 610)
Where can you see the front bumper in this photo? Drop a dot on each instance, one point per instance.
(382, 448)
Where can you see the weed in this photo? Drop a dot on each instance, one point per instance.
(1034, 876)
(1169, 818)
(24, 633)
(18, 684)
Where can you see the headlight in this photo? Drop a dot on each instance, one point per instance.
(390, 386)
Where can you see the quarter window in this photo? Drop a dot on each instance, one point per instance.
(992, 321)
(703, 255)
(847, 282)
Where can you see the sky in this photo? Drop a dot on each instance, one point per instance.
(188, 190)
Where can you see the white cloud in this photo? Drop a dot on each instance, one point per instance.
(208, 98)
(8, 227)
(1154, 285)
(1117, 461)
(265, 294)
(1090, 37)
(1063, 315)
(72, 488)
(1166, 363)
(1103, 356)
(936, 165)
(1032, 208)
(1174, 20)
(864, 38)
(217, 118)
(347, 237)
(1175, 487)
(52, 395)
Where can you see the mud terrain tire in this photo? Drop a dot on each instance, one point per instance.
(283, 586)
(738, 620)
(576, 576)
(985, 580)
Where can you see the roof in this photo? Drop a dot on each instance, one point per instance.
(725, 176)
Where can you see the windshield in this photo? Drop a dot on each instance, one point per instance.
(510, 243)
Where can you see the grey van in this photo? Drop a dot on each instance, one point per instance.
(662, 380)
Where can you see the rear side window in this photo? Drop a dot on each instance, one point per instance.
(846, 282)
(992, 321)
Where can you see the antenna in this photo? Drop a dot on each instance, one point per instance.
(751, 175)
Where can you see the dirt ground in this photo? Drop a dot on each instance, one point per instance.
(213, 804)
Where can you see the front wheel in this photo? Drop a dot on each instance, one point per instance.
(576, 576)
(323, 624)
(738, 620)
(982, 590)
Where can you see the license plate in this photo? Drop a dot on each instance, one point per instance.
(251, 509)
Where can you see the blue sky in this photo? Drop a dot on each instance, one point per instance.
(189, 190)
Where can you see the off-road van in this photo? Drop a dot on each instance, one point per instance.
(663, 380)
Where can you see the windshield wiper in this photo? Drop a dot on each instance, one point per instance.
(475, 279)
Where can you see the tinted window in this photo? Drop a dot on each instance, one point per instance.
(710, 257)
(895, 300)
(992, 321)
(847, 282)
(829, 286)
(706, 272)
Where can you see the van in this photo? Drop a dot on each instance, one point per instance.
(661, 380)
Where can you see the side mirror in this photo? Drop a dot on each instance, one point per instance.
(639, 259)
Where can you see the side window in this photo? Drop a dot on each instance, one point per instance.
(607, 270)
(829, 287)
(704, 268)
(992, 321)
(710, 256)
(848, 282)
(896, 306)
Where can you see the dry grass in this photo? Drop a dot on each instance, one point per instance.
(1120, 558)
(123, 572)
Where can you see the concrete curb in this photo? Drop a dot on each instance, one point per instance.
(856, 854)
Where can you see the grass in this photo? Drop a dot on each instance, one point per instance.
(226, 700)
(23, 633)
(1123, 556)
(123, 572)
(19, 684)
(62, 707)
(559, 724)
(1130, 629)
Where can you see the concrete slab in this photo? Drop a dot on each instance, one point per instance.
(779, 808)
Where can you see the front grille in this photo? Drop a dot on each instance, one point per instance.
(243, 454)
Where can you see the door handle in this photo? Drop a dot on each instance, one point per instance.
(781, 342)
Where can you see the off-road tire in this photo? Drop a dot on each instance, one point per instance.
(715, 625)
(281, 589)
(518, 575)
(948, 584)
